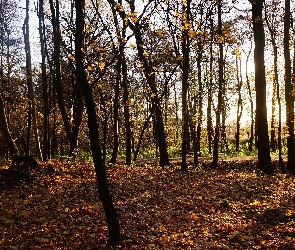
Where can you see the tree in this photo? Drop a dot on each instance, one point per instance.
(185, 73)
(6, 133)
(220, 86)
(264, 160)
(31, 97)
(46, 144)
(148, 64)
(289, 91)
(99, 166)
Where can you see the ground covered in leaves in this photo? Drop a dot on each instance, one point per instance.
(223, 208)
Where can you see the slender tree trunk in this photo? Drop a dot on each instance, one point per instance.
(220, 87)
(251, 133)
(209, 105)
(128, 137)
(185, 74)
(56, 72)
(102, 184)
(46, 145)
(145, 125)
(239, 104)
(289, 91)
(200, 103)
(32, 108)
(116, 95)
(264, 160)
(116, 112)
(6, 133)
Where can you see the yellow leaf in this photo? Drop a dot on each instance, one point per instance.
(153, 95)
(220, 39)
(199, 32)
(238, 53)
(160, 32)
(161, 228)
(256, 203)
(179, 58)
(71, 57)
(145, 53)
(192, 33)
(89, 68)
(43, 240)
(101, 65)
(128, 102)
(194, 216)
(131, 45)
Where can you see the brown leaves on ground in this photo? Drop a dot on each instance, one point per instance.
(205, 208)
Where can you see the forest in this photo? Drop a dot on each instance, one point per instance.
(147, 124)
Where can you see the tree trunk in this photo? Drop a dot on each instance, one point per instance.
(56, 71)
(6, 133)
(220, 87)
(31, 98)
(128, 137)
(209, 105)
(46, 145)
(251, 133)
(103, 189)
(239, 104)
(200, 102)
(116, 112)
(264, 160)
(185, 73)
(289, 91)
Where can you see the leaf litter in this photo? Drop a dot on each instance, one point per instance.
(228, 207)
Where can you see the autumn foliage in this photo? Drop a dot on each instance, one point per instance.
(228, 207)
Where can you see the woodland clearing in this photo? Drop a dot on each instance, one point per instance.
(228, 207)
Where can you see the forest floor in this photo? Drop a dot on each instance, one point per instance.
(228, 207)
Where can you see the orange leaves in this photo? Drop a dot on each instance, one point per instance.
(158, 209)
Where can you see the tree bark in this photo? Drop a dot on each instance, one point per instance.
(251, 133)
(264, 160)
(289, 91)
(46, 145)
(56, 71)
(6, 133)
(185, 74)
(220, 87)
(102, 184)
(31, 98)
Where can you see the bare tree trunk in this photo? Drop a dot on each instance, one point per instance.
(185, 72)
(289, 91)
(32, 107)
(264, 160)
(56, 71)
(220, 87)
(209, 105)
(102, 184)
(239, 104)
(128, 137)
(6, 133)
(251, 133)
(46, 144)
